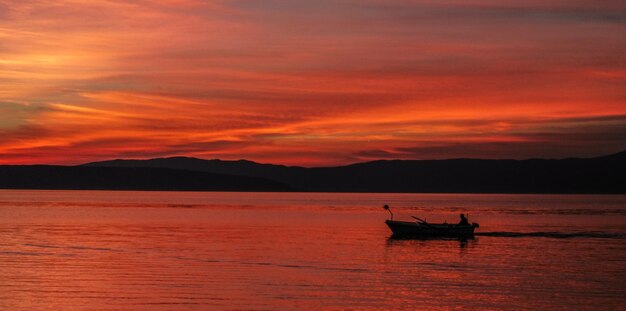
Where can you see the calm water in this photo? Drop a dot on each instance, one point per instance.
(101, 250)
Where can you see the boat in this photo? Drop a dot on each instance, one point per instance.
(424, 229)
(421, 228)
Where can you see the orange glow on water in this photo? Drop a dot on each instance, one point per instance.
(78, 250)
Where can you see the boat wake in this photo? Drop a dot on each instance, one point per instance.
(555, 235)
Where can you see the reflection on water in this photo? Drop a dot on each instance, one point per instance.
(93, 250)
(402, 240)
(431, 244)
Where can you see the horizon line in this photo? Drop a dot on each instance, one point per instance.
(327, 166)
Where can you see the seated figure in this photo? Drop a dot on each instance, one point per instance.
(463, 221)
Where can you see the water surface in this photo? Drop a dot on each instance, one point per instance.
(121, 250)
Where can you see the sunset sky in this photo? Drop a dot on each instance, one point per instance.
(310, 83)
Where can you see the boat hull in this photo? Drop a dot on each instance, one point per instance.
(405, 228)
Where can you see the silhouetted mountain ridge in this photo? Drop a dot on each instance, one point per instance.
(127, 178)
(605, 174)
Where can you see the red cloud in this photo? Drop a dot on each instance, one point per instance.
(309, 83)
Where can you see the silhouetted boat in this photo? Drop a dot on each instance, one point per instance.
(424, 229)
(421, 228)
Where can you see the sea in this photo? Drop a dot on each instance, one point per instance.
(127, 250)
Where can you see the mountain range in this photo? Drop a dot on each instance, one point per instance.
(606, 174)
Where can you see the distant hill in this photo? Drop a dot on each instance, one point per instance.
(291, 175)
(127, 178)
(606, 174)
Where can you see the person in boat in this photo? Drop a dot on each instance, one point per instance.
(463, 221)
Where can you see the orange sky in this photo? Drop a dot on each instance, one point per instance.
(310, 82)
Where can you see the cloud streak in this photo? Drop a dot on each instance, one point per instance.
(310, 82)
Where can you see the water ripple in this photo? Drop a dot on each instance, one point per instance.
(556, 235)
